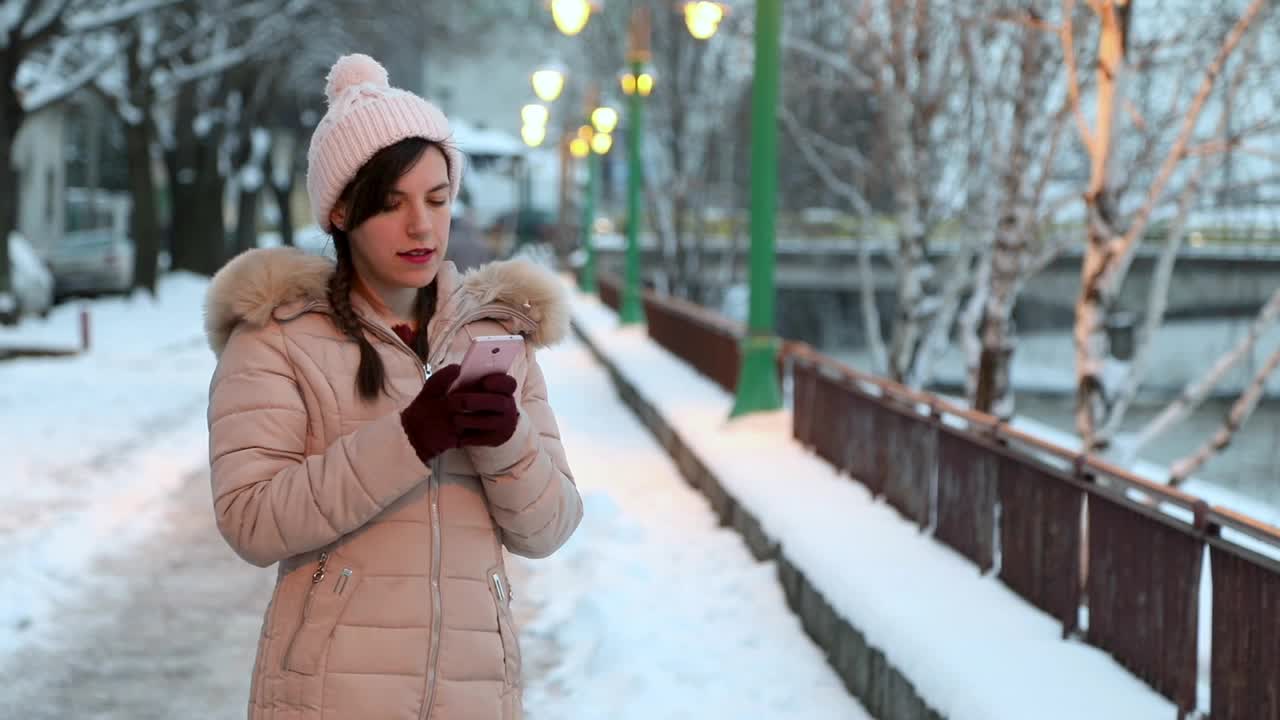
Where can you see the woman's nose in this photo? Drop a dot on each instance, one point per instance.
(419, 219)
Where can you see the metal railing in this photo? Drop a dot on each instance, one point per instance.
(1067, 531)
(709, 342)
(610, 288)
(1116, 559)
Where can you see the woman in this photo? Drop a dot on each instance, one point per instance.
(338, 453)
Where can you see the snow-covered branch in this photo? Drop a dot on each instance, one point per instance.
(1240, 412)
(1196, 392)
(90, 21)
(60, 88)
(1128, 244)
(820, 165)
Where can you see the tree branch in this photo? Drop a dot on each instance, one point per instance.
(1196, 392)
(821, 166)
(40, 98)
(1240, 412)
(1128, 243)
(1073, 70)
(89, 22)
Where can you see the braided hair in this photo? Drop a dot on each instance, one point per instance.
(364, 197)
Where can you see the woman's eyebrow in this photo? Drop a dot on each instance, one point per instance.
(437, 188)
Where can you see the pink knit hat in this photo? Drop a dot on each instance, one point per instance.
(366, 115)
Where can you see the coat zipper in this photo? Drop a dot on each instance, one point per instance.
(433, 491)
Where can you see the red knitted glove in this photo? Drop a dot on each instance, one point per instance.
(483, 413)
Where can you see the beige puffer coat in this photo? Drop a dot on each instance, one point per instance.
(392, 599)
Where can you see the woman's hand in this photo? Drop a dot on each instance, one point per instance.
(483, 413)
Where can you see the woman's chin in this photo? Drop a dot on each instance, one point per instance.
(419, 277)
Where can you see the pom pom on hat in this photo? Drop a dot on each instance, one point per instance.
(352, 70)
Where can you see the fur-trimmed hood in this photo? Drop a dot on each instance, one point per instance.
(256, 284)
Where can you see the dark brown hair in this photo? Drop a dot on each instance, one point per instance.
(364, 197)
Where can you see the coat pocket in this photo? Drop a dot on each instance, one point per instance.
(332, 586)
(500, 589)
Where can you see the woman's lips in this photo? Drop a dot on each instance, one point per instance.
(417, 257)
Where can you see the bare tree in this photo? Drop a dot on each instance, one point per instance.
(1020, 87)
(59, 47)
(902, 54)
(1112, 234)
(701, 83)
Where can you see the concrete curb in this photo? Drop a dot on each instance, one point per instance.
(884, 690)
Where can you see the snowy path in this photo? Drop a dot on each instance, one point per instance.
(165, 631)
(657, 611)
(122, 601)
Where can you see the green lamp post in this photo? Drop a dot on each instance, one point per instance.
(758, 389)
(637, 84)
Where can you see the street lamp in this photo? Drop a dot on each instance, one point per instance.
(571, 16)
(638, 79)
(703, 18)
(637, 83)
(533, 135)
(758, 389)
(534, 115)
(601, 143)
(548, 83)
(592, 142)
(604, 119)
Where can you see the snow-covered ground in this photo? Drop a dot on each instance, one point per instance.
(972, 648)
(659, 612)
(91, 445)
(651, 610)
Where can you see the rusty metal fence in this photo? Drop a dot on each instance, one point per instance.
(1116, 559)
(706, 340)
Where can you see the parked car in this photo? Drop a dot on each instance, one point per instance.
(32, 282)
(92, 262)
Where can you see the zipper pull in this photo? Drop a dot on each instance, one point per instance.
(497, 585)
(318, 575)
(339, 586)
(426, 371)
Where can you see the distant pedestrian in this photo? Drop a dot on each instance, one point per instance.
(339, 450)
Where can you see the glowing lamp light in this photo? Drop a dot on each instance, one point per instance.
(548, 83)
(605, 119)
(533, 135)
(579, 148)
(601, 143)
(571, 16)
(703, 18)
(643, 84)
(534, 115)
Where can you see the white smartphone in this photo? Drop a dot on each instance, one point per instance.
(487, 355)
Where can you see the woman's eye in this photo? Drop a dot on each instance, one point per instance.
(437, 202)
(390, 205)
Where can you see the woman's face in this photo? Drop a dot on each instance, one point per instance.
(403, 245)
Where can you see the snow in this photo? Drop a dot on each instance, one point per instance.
(251, 177)
(70, 489)
(652, 608)
(473, 140)
(903, 590)
(10, 13)
(657, 609)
